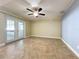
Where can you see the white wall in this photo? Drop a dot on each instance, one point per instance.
(2, 28)
(28, 28)
(70, 27)
(46, 28)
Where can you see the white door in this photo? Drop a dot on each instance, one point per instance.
(10, 30)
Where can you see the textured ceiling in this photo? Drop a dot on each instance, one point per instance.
(51, 8)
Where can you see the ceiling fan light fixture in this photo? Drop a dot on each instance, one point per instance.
(35, 13)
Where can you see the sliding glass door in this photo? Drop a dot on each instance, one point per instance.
(10, 30)
(14, 29)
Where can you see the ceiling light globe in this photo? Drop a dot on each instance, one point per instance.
(35, 14)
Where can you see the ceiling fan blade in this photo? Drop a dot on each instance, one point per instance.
(29, 9)
(30, 14)
(42, 14)
(40, 9)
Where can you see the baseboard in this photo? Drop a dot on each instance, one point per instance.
(46, 37)
(2, 44)
(71, 48)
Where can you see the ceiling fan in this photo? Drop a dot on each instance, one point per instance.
(35, 11)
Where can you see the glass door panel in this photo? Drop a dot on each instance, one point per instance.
(20, 29)
(10, 29)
